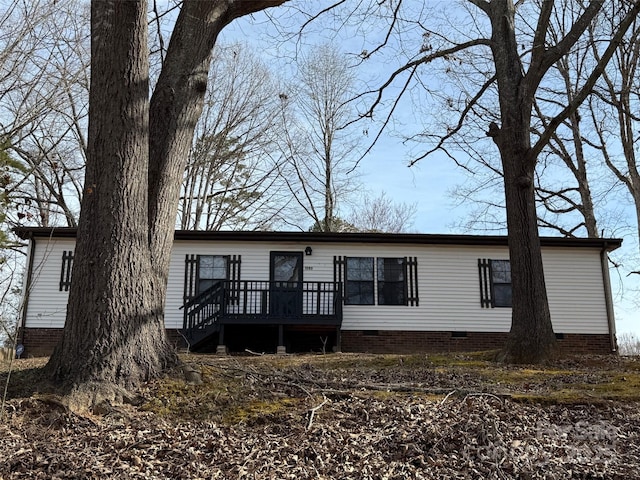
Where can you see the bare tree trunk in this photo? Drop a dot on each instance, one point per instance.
(579, 170)
(324, 157)
(176, 106)
(114, 333)
(576, 161)
(620, 93)
(328, 190)
(519, 66)
(531, 337)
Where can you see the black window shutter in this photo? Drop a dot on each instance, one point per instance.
(234, 267)
(234, 262)
(338, 273)
(484, 271)
(190, 277)
(411, 276)
(65, 272)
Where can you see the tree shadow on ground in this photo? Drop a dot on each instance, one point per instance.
(23, 382)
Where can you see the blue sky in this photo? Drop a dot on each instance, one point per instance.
(385, 169)
(428, 183)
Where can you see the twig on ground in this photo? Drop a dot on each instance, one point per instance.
(442, 402)
(6, 385)
(324, 341)
(314, 410)
(483, 394)
(186, 341)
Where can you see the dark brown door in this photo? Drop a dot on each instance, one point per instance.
(286, 285)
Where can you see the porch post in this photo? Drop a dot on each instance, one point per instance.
(338, 340)
(282, 350)
(221, 348)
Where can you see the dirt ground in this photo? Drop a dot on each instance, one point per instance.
(338, 416)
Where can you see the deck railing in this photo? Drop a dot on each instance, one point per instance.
(262, 302)
(204, 309)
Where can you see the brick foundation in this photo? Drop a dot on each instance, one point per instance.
(385, 341)
(40, 342)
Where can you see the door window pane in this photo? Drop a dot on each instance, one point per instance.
(286, 268)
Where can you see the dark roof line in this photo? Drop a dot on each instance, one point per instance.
(392, 238)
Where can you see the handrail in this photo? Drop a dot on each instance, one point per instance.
(249, 301)
(204, 308)
(198, 298)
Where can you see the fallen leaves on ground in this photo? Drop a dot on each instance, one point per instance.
(338, 417)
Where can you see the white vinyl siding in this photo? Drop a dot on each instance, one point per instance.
(575, 289)
(47, 306)
(448, 284)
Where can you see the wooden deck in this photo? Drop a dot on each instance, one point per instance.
(250, 302)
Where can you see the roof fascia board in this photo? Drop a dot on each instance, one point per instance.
(608, 244)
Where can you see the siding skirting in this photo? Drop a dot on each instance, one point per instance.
(39, 342)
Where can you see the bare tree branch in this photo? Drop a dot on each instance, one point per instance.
(461, 121)
(588, 86)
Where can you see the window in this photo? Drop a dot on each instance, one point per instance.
(392, 285)
(501, 283)
(359, 281)
(211, 270)
(397, 280)
(203, 271)
(495, 283)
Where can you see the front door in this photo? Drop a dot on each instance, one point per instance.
(286, 285)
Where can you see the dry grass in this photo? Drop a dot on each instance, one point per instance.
(341, 416)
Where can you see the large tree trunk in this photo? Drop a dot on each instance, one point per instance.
(114, 336)
(176, 106)
(114, 333)
(531, 338)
